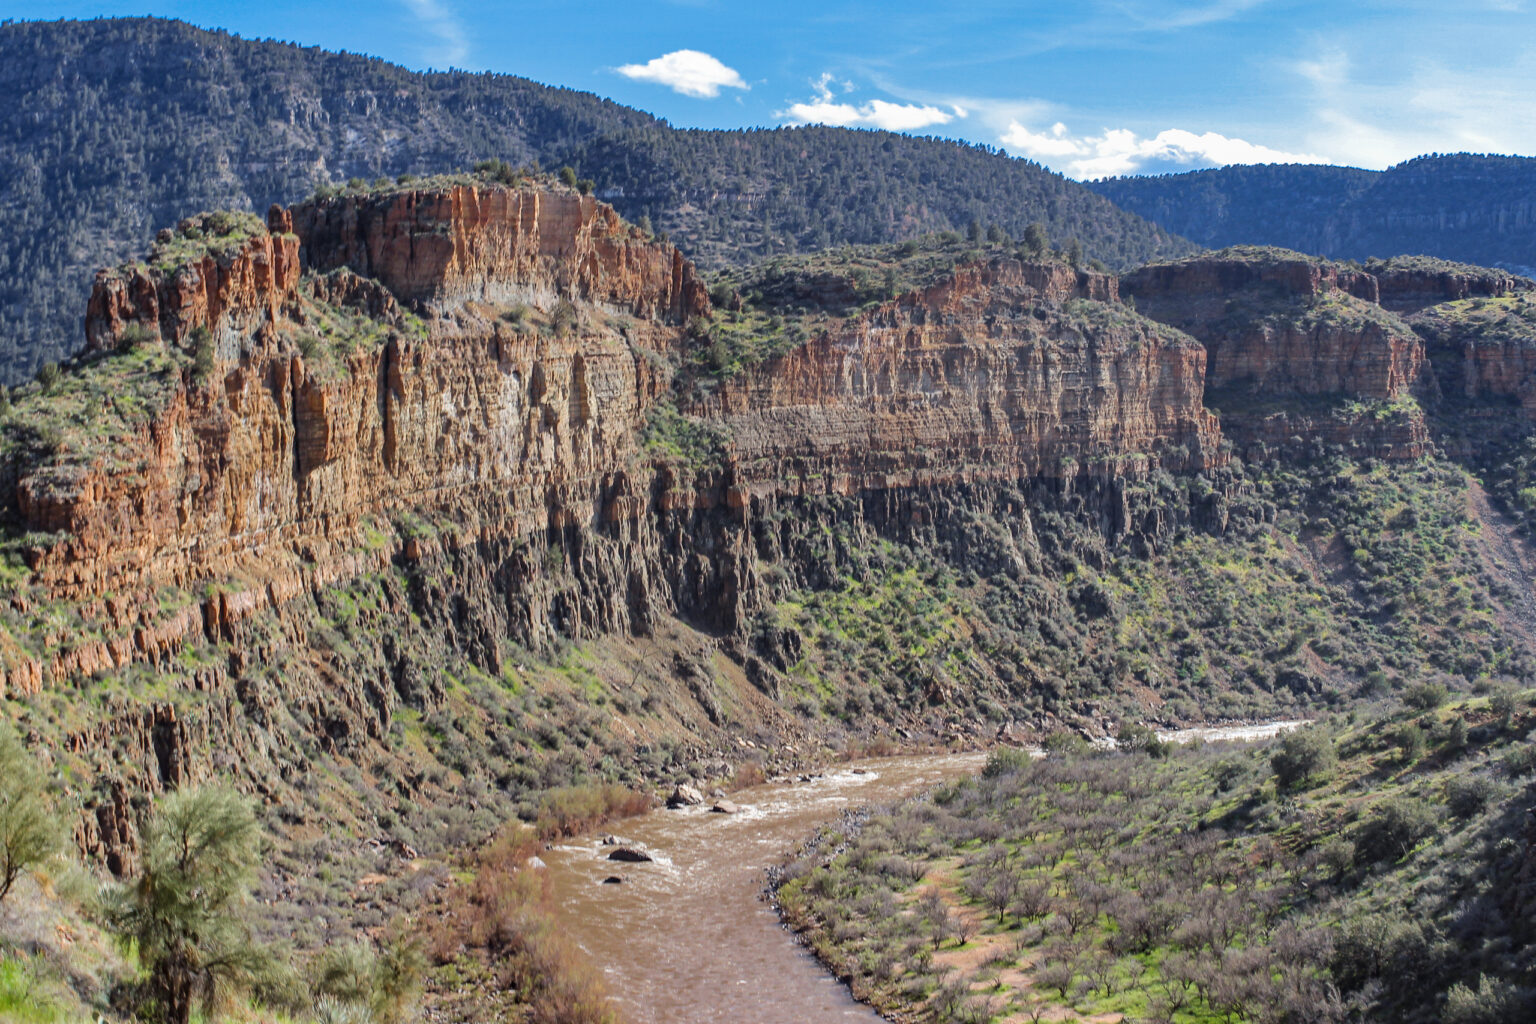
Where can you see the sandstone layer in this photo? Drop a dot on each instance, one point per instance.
(1001, 371)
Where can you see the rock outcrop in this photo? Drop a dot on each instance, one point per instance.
(1284, 323)
(1483, 353)
(291, 464)
(1409, 285)
(237, 286)
(440, 418)
(1006, 371)
(443, 247)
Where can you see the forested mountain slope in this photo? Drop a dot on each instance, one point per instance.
(1461, 206)
(117, 127)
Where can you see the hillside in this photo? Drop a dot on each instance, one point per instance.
(1366, 869)
(120, 126)
(1477, 209)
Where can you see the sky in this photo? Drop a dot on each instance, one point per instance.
(1091, 88)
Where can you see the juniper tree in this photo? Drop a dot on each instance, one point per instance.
(29, 833)
(186, 912)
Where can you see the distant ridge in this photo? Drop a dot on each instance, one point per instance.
(1479, 209)
(116, 127)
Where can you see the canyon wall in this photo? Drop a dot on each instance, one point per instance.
(289, 462)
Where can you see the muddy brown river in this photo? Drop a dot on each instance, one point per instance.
(686, 939)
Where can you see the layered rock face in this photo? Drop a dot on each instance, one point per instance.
(1006, 371)
(292, 464)
(238, 293)
(1408, 289)
(443, 247)
(1282, 324)
(1484, 353)
(272, 476)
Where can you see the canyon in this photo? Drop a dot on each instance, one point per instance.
(387, 454)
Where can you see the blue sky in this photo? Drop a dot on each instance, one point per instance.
(1089, 88)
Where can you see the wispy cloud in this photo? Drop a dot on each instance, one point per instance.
(440, 21)
(1121, 151)
(825, 108)
(690, 72)
(1375, 120)
(1164, 17)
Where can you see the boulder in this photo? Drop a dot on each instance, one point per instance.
(685, 796)
(630, 855)
(725, 807)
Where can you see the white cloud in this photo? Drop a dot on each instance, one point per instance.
(893, 117)
(1122, 151)
(440, 21)
(690, 72)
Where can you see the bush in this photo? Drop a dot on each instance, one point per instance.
(1520, 759)
(48, 376)
(29, 832)
(1467, 795)
(134, 335)
(1493, 1002)
(383, 985)
(1425, 696)
(1410, 742)
(1007, 761)
(565, 317)
(1503, 704)
(1304, 756)
(1393, 828)
(204, 353)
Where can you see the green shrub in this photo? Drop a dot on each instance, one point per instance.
(1007, 761)
(134, 335)
(204, 353)
(1393, 828)
(185, 915)
(1304, 756)
(1492, 1002)
(1425, 696)
(48, 376)
(1467, 795)
(1520, 759)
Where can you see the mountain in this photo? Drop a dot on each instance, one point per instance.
(1475, 209)
(119, 126)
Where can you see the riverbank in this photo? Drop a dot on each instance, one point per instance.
(1198, 885)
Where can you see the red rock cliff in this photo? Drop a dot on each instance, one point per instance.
(1006, 370)
(1283, 323)
(444, 246)
(290, 463)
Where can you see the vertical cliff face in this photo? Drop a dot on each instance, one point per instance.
(1484, 353)
(1409, 284)
(222, 272)
(442, 247)
(1290, 341)
(1006, 371)
(1284, 323)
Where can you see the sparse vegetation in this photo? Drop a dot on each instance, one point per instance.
(1098, 883)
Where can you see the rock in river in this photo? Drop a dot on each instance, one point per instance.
(631, 855)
